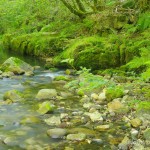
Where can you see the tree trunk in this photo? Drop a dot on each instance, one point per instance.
(75, 11)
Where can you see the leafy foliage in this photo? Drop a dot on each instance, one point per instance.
(144, 21)
(87, 81)
(139, 105)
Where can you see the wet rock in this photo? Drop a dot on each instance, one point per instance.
(136, 122)
(29, 73)
(12, 95)
(7, 74)
(114, 140)
(146, 134)
(92, 110)
(134, 134)
(56, 133)
(76, 121)
(77, 113)
(125, 143)
(95, 116)
(53, 121)
(102, 96)
(45, 107)
(87, 105)
(102, 127)
(85, 99)
(65, 94)
(115, 106)
(94, 96)
(16, 66)
(76, 137)
(125, 119)
(64, 115)
(46, 94)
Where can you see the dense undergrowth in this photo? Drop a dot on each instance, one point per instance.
(118, 35)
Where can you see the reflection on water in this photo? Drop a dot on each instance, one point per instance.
(29, 59)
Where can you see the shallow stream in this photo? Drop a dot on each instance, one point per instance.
(22, 127)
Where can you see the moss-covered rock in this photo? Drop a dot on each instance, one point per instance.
(114, 92)
(64, 78)
(45, 107)
(16, 66)
(13, 95)
(97, 52)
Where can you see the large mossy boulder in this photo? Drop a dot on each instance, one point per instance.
(16, 66)
(96, 53)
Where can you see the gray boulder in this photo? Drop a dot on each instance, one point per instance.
(46, 94)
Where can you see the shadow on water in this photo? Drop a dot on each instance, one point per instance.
(34, 61)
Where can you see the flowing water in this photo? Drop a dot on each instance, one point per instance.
(22, 127)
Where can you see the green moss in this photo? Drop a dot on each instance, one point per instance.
(38, 44)
(114, 92)
(91, 52)
(58, 78)
(143, 105)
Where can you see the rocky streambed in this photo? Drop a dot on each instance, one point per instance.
(39, 112)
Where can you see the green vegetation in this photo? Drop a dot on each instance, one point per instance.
(107, 37)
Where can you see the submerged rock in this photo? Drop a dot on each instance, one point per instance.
(102, 127)
(46, 107)
(76, 137)
(53, 121)
(30, 119)
(95, 116)
(115, 106)
(16, 66)
(12, 95)
(46, 94)
(56, 133)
